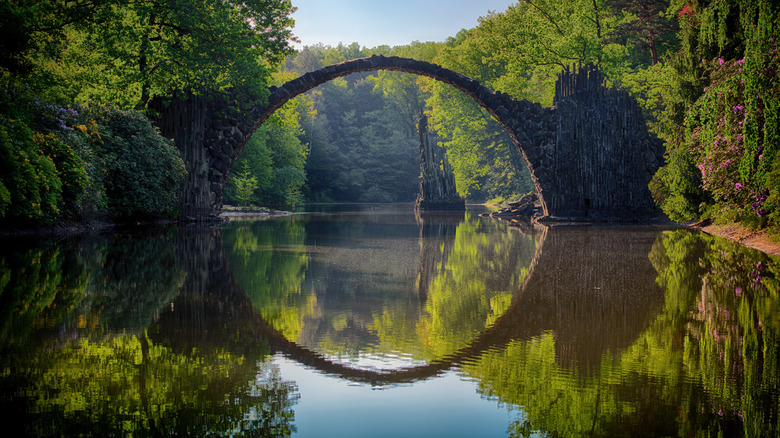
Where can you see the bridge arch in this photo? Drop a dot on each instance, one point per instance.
(590, 155)
(513, 115)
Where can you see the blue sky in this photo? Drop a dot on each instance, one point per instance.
(392, 22)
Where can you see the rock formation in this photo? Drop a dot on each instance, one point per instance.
(437, 181)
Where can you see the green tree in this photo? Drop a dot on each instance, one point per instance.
(648, 32)
(129, 52)
(245, 185)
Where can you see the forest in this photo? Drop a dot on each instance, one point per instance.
(78, 141)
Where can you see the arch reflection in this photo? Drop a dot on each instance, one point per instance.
(610, 332)
(400, 292)
(586, 287)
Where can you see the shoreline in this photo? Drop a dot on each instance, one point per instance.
(760, 240)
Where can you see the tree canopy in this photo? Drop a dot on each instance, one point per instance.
(73, 71)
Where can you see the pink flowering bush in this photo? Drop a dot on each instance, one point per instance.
(732, 133)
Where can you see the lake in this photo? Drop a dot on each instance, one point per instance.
(370, 321)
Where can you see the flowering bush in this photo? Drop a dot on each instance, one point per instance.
(31, 187)
(142, 170)
(732, 132)
(61, 162)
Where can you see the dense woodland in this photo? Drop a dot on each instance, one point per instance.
(77, 142)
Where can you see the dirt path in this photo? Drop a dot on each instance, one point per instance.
(759, 240)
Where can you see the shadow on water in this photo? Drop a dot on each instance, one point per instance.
(606, 332)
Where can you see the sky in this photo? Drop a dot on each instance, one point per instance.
(374, 23)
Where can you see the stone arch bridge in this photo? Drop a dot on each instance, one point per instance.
(590, 155)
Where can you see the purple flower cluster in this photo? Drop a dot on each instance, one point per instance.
(57, 116)
(757, 273)
(760, 198)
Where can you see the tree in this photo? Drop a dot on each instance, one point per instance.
(245, 185)
(650, 31)
(130, 52)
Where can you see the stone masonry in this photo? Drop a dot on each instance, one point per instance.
(590, 155)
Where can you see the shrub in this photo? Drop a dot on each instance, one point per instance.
(142, 169)
(70, 170)
(31, 184)
(62, 162)
(733, 135)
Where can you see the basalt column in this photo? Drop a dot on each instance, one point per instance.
(603, 156)
(437, 181)
(183, 119)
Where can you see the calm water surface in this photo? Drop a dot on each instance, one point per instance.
(366, 321)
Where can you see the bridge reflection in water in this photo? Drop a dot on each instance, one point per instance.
(587, 287)
(578, 331)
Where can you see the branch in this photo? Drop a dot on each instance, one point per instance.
(556, 54)
(596, 21)
(549, 18)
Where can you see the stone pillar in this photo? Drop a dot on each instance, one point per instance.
(183, 119)
(604, 155)
(437, 180)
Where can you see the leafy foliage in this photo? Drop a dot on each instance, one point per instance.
(65, 163)
(142, 169)
(125, 53)
(720, 117)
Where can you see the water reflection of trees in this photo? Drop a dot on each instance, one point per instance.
(114, 282)
(704, 364)
(421, 288)
(268, 259)
(583, 347)
(727, 320)
(479, 269)
(91, 344)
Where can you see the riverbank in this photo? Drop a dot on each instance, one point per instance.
(765, 240)
(65, 228)
(230, 211)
